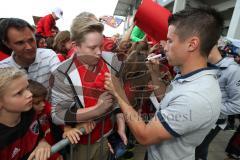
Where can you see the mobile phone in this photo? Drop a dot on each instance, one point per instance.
(117, 144)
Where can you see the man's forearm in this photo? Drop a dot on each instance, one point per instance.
(132, 118)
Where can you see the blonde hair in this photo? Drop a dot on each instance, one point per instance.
(7, 75)
(83, 25)
(87, 14)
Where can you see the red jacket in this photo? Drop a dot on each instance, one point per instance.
(44, 120)
(19, 141)
(44, 26)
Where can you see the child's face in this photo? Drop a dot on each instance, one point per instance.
(68, 45)
(38, 104)
(54, 32)
(17, 98)
(42, 43)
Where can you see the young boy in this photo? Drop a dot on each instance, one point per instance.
(43, 110)
(19, 129)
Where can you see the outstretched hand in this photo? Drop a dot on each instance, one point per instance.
(113, 84)
(41, 152)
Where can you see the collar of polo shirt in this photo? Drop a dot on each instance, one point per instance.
(196, 74)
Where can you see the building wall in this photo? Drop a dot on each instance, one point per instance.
(225, 7)
(229, 9)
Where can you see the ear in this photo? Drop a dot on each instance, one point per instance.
(193, 44)
(74, 44)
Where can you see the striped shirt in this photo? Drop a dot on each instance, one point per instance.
(45, 63)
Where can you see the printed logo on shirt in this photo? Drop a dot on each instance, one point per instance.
(15, 152)
(43, 119)
(34, 128)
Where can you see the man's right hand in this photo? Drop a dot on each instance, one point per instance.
(153, 65)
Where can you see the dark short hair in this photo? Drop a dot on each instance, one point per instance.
(37, 89)
(205, 22)
(3, 47)
(16, 23)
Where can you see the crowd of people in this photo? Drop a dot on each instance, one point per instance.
(80, 85)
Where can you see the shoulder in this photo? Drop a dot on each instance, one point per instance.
(49, 16)
(230, 73)
(196, 97)
(65, 65)
(9, 135)
(47, 57)
(44, 51)
(107, 56)
(234, 67)
(46, 54)
(6, 62)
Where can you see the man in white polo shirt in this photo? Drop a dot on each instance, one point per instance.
(190, 106)
(18, 35)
